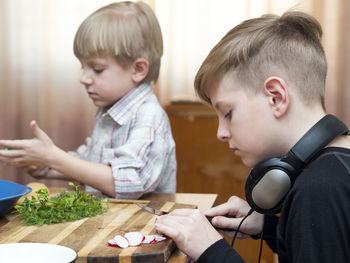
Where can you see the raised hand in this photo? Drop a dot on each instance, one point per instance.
(36, 151)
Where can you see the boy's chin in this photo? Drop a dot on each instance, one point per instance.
(100, 104)
(249, 162)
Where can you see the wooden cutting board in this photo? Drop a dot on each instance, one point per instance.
(89, 236)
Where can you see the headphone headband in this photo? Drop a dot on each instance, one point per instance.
(321, 134)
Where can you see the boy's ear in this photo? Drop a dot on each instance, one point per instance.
(140, 69)
(278, 95)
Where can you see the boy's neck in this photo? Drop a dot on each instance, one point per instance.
(297, 124)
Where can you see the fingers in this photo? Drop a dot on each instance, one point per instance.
(190, 230)
(234, 207)
(14, 144)
(170, 226)
(223, 209)
(12, 157)
(32, 168)
(38, 133)
(11, 153)
(183, 212)
(20, 162)
(226, 222)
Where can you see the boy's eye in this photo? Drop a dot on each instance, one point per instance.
(228, 115)
(98, 70)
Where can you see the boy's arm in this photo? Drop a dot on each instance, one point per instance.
(41, 151)
(95, 174)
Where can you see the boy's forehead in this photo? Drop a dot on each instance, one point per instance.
(97, 59)
(219, 90)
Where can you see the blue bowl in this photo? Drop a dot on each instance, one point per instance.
(10, 192)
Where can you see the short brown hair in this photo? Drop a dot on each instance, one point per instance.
(288, 46)
(126, 30)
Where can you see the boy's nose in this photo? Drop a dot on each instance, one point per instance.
(223, 133)
(85, 79)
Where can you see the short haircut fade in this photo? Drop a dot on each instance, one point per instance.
(288, 46)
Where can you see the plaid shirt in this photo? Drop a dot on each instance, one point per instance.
(134, 137)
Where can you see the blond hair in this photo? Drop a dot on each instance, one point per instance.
(288, 46)
(126, 30)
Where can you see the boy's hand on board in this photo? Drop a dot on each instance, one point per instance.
(231, 213)
(36, 151)
(190, 230)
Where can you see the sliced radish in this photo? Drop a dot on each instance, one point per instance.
(134, 238)
(149, 239)
(159, 238)
(121, 241)
(112, 243)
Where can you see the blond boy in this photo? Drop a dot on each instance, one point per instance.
(131, 150)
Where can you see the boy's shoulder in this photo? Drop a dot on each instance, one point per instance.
(329, 169)
(151, 108)
(139, 103)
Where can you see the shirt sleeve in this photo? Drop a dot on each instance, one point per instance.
(82, 150)
(220, 252)
(139, 163)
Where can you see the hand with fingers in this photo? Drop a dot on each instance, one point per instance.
(32, 152)
(231, 213)
(190, 230)
(37, 172)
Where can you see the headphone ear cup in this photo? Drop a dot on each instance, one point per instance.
(270, 180)
(267, 184)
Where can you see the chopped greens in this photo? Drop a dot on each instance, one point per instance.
(64, 207)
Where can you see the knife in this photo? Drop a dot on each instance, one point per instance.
(160, 212)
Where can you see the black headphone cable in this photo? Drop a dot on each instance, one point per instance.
(261, 244)
(240, 224)
(261, 234)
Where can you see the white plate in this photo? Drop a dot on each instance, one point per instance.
(36, 253)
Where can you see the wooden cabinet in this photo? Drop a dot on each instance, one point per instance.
(207, 165)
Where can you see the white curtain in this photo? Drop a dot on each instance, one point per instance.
(191, 28)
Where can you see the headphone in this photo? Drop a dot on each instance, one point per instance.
(271, 179)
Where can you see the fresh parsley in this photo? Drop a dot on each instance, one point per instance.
(64, 207)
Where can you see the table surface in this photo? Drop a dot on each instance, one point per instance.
(202, 201)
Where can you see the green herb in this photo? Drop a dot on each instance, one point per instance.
(9, 148)
(64, 207)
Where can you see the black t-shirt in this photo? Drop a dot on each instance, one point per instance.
(314, 223)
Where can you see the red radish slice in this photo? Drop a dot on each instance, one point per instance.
(149, 239)
(121, 241)
(159, 238)
(134, 238)
(112, 243)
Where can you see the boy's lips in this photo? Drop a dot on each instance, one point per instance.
(234, 149)
(93, 95)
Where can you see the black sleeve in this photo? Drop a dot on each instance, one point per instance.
(270, 231)
(220, 252)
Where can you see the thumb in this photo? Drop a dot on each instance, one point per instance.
(38, 133)
(222, 209)
(226, 222)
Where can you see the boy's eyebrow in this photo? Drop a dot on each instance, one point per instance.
(217, 105)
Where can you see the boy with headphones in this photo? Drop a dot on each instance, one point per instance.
(265, 79)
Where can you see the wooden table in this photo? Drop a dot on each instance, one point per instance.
(202, 201)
